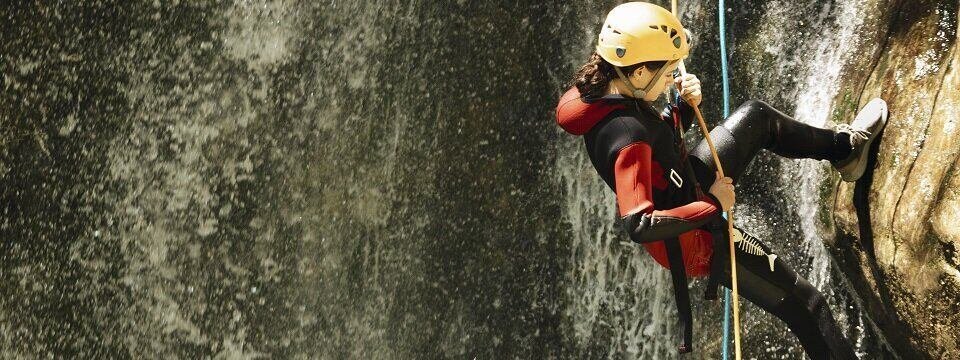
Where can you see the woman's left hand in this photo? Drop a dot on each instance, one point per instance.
(689, 87)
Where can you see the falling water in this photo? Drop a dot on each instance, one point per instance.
(819, 88)
(330, 179)
(816, 93)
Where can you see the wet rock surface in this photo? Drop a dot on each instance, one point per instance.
(898, 237)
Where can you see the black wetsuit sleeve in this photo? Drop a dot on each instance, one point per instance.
(635, 200)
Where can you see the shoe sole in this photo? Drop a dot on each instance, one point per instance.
(874, 106)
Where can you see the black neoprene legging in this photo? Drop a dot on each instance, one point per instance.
(781, 292)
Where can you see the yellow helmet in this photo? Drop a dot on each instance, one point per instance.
(638, 32)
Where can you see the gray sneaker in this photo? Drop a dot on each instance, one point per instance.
(864, 129)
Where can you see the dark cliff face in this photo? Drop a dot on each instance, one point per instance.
(354, 180)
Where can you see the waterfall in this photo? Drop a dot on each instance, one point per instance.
(620, 300)
(816, 94)
(337, 179)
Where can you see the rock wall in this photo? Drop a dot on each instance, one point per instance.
(897, 228)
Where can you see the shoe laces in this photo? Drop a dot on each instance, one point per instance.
(857, 136)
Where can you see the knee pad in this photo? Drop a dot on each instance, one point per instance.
(747, 114)
(739, 138)
(733, 156)
(751, 125)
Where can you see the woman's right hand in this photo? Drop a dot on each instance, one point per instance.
(722, 189)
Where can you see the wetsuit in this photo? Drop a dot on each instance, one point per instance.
(663, 205)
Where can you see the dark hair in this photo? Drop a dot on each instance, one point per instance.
(593, 77)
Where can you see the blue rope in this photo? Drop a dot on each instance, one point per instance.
(721, 10)
(723, 60)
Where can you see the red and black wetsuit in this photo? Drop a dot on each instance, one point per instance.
(639, 153)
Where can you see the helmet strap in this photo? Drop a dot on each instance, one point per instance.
(637, 93)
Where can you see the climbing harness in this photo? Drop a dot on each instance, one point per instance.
(716, 160)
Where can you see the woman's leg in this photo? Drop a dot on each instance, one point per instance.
(756, 125)
(791, 298)
(763, 279)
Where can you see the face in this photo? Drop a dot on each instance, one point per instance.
(642, 76)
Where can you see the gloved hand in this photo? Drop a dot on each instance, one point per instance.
(723, 190)
(689, 87)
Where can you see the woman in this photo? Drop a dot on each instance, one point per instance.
(639, 153)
